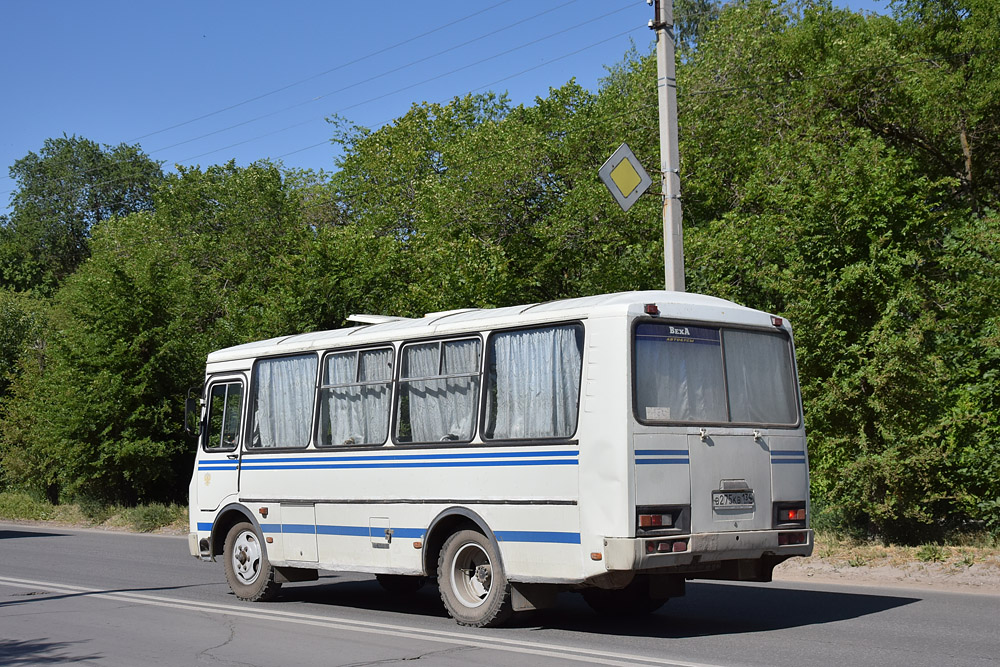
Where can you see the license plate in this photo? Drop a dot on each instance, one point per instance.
(732, 500)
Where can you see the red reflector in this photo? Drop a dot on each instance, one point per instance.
(651, 309)
(663, 547)
(791, 538)
(776, 321)
(651, 547)
(680, 546)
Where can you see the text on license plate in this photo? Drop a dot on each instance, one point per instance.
(732, 499)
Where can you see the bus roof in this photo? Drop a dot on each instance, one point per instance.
(674, 305)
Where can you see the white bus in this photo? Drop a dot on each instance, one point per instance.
(615, 445)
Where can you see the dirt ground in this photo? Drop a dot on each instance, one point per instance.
(956, 569)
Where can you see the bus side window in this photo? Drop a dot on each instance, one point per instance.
(354, 398)
(283, 393)
(533, 388)
(438, 391)
(225, 404)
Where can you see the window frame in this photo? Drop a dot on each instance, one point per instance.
(582, 329)
(395, 361)
(722, 327)
(399, 380)
(251, 421)
(241, 427)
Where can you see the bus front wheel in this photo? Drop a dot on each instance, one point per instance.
(248, 571)
(473, 586)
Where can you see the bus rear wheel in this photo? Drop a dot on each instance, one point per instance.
(248, 571)
(473, 586)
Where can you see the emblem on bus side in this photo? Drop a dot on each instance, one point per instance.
(208, 478)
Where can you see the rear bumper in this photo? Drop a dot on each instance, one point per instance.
(624, 554)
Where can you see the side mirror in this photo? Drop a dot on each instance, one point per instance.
(192, 414)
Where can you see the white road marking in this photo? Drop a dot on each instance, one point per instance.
(371, 627)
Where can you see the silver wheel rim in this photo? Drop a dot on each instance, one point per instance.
(471, 575)
(246, 557)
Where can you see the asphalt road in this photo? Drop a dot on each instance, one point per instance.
(101, 598)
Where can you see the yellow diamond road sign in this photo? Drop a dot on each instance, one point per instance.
(624, 177)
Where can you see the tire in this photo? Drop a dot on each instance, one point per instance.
(400, 584)
(633, 600)
(248, 570)
(473, 585)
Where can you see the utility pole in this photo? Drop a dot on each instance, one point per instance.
(673, 235)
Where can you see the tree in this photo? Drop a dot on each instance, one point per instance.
(97, 414)
(62, 192)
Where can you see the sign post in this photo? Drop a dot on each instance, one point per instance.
(673, 235)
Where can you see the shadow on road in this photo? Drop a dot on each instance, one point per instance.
(708, 608)
(711, 609)
(39, 652)
(12, 534)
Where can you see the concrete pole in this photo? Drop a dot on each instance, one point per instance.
(673, 235)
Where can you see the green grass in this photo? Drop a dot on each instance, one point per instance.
(23, 506)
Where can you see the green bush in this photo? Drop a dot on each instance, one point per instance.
(147, 518)
(24, 506)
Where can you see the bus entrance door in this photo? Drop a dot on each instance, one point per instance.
(218, 461)
(730, 482)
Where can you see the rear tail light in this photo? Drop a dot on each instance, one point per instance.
(655, 521)
(792, 514)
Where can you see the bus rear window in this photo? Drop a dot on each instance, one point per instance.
(715, 375)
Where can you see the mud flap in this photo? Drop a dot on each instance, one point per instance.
(526, 597)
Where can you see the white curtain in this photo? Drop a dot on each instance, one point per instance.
(678, 374)
(355, 410)
(439, 408)
(285, 387)
(760, 378)
(536, 383)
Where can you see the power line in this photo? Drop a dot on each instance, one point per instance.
(314, 99)
(324, 73)
(709, 91)
(413, 85)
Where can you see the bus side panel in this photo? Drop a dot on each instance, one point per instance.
(360, 495)
(606, 483)
(789, 467)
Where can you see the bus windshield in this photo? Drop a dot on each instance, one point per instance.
(713, 375)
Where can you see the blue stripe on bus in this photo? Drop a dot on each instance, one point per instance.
(777, 461)
(406, 464)
(549, 537)
(538, 536)
(661, 461)
(301, 528)
(410, 457)
(661, 452)
(793, 456)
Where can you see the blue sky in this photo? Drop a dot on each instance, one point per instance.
(198, 82)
